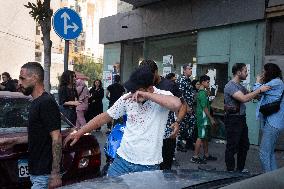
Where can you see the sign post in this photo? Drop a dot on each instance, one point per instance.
(68, 25)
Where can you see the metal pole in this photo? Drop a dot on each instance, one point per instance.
(66, 55)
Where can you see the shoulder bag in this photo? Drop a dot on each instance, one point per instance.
(271, 108)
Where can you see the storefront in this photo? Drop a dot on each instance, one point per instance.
(219, 48)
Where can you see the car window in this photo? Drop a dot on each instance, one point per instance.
(14, 112)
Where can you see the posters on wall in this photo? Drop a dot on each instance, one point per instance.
(168, 59)
(194, 71)
(167, 70)
(247, 81)
(110, 67)
(107, 78)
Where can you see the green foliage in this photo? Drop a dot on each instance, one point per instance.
(90, 68)
(39, 11)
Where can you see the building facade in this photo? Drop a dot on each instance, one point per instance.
(17, 37)
(213, 35)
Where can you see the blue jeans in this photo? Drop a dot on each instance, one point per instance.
(268, 141)
(39, 181)
(121, 166)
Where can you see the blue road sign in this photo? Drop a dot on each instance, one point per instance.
(67, 23)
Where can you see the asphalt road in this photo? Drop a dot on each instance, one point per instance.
(216, 148)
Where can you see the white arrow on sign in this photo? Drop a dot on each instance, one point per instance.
(66, 17)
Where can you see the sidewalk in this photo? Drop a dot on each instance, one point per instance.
(217, 148)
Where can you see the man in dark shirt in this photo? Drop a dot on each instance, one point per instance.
(189, 122)
(113, 93)
(8, 84)
(235, 97)
(44, 136)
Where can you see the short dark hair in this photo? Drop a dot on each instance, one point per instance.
(170, 75)
(7, 75)
(272, 71)
(186, 65)
(35, 68)
(142, 77)
(151, 63)
(237, 67)
(116, 78)
(204, 78)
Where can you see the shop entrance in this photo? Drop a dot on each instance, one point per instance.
(218, 73)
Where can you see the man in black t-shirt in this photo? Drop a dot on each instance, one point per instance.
(44, 136)
(113, 93)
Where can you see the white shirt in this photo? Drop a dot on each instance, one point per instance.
(142, 140)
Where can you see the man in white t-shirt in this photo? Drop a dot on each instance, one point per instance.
(147, 110)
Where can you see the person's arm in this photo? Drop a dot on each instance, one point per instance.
(101, 94)
(202, 99)
(2, 87)
(116, 111)
(107, 94)
(55, 178)
(93, 124)
(8, 143)
(63, 98)
(51, 121)
(240, 96)
(180, 115)
(170, 102)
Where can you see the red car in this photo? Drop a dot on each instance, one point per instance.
(79, 162)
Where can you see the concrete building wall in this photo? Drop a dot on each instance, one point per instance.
(243, 43)
(123, 6)
(17, 36)
(169, 16)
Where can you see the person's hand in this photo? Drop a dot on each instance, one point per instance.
(73, 137)
(213, 122)
(54, 181)
(175, 127)
(7, 143)
(138, 96)
(264, 88)
(259, 78)
(77, 103)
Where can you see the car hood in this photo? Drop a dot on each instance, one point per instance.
(175, 179)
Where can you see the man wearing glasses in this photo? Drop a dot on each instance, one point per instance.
(189, 122)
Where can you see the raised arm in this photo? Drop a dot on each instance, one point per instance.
(93, 124)
(55, 178)
(170, 102)
(7, 143)
(248, 97)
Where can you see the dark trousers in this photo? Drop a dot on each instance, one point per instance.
(168, 152)
(237, 141)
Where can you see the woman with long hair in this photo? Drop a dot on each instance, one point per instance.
(68, 97)
(272, 124)
(95, 100)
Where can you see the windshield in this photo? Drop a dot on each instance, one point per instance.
(14, 112)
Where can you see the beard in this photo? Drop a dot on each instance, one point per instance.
(28, 90)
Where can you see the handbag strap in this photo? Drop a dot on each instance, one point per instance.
(81, 91)
(282, 95)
